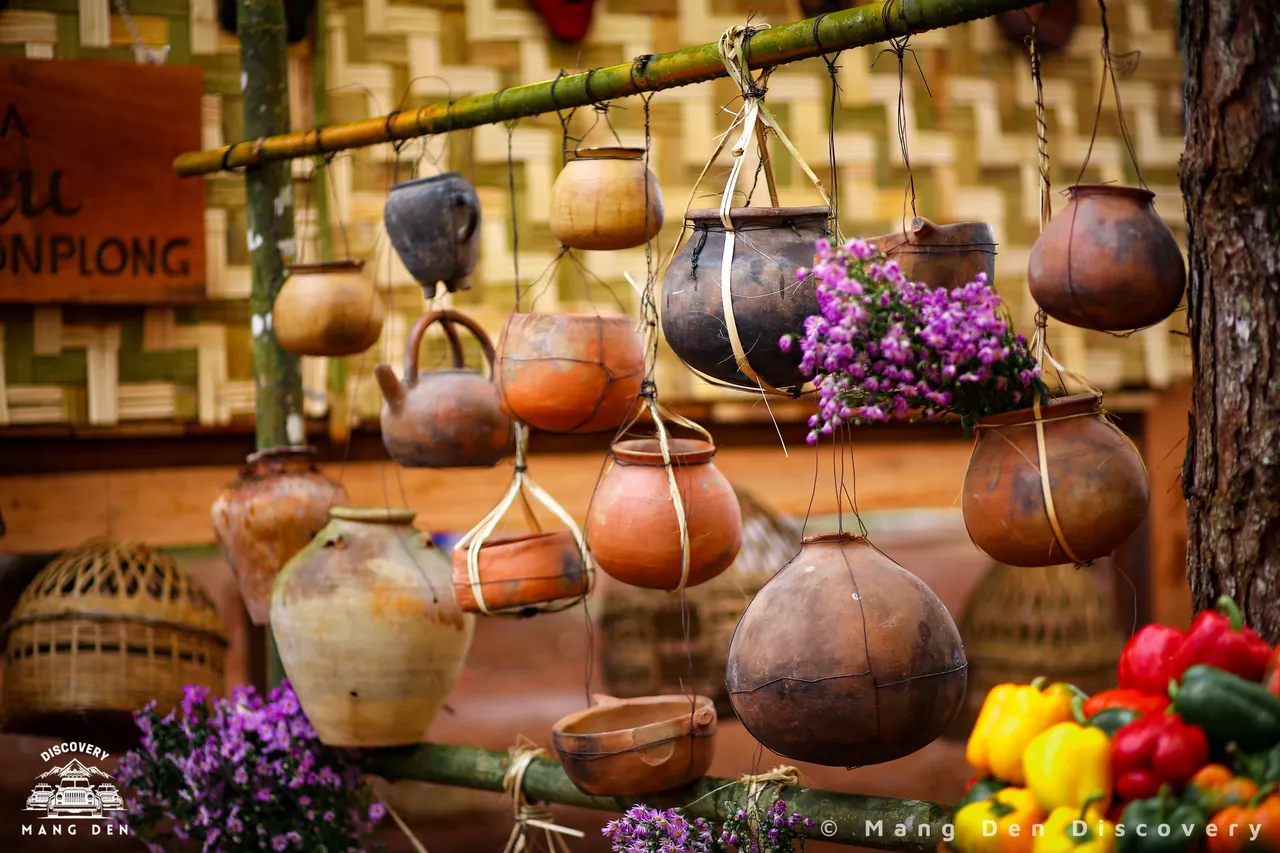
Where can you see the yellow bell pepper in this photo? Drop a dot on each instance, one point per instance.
(1068, 765)
(1076, 830)
(1011, 716)
(1003, 824)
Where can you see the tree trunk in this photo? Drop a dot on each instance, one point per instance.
(1231, 184)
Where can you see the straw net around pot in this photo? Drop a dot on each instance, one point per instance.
(108, 627)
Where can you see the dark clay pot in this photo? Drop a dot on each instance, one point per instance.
(434, 224)
(768, 302)
(947, 256)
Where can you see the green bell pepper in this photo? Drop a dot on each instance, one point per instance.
(1228, 708)
(1262, 767)
(1112, 720)
(1161, 824)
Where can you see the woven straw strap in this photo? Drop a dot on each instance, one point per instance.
(527, 813)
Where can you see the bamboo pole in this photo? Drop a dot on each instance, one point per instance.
(881, 823)
(857, 27)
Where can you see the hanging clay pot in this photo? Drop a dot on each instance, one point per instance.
(1107, 262)
(519, 574)
(1099, 485)
(443, 418)
(368, 629)
(569, 372)
(327, 309)
(845, 659)
(434, 225)
(275, 506)
(948, 256)
(767, 301)
(632, 529)
(605, 199)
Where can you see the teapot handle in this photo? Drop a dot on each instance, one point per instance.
(446, 318)
(468, 201)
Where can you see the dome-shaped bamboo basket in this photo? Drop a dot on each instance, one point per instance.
(1023, 623)
(644, 653)
(101, 631)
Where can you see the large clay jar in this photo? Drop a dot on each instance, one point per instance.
(767, 301)
(845, 658)
(570, 372)
(434, 225)
(632, 529)
(327, 309)
(605, 199)
(443, 418)
(942, 255)
(521, 574)
(368, 629)
(1107, 262)
(274, 507)
(1098, 483)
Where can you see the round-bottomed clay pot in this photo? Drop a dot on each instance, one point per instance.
(327, 309)
(1107, 262)
(1099, 485)
(629, 747)
(434, 225)
(605, 199)
(278, 502)
(572, 373)
(632, 529)
(948, 256)
(518, 573)
(368, 629)
(845, 659)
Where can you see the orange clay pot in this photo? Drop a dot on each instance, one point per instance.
(327, 309)
(571, 373)
(519, 572)
(605, 199)
(632, 529)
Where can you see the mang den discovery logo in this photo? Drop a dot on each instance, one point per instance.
(70, 791)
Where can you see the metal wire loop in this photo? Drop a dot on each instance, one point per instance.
(640, 63)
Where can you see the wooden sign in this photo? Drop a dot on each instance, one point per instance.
(90, 208)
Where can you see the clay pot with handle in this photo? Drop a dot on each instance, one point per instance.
(434, 225)
(327, 309)
(443, 418)
(947, 256)
(605, 199)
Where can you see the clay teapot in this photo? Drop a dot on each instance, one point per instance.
(605, 199)
(947, 256)
(327, 309)
(443, 418)
(434, 225)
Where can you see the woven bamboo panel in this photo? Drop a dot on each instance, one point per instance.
(971, 139)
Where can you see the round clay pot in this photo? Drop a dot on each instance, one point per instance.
(1099, 485)
(632, 530)
(569, 372)
(845, 659)
(767, 301)
(948, 256)
(368, 629)
(434, 225)
(278, 502)
(1055, 22)
(327, 310)
(630, 747)
(598, 201)
(518, 573)
(1107, 262)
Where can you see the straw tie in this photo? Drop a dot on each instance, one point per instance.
(529, 813)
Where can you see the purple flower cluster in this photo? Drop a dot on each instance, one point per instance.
(773, 831)
(883, 347)
(646, 830)
(244, 775)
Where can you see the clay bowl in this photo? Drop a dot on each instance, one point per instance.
(518, 573)
(629, 747)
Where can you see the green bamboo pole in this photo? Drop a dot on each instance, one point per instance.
(857, 27)
(882, 823)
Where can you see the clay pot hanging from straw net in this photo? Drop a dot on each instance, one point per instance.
(948, 256)
(434, 225)
(327, 309)
(1072, 496)
(1107, 262)
(845, 659)
(605, 199)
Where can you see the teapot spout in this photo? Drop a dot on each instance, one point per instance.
(392, 389)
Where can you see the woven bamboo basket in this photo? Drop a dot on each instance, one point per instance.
(101, 631)
(644, 651)
(1023, 623)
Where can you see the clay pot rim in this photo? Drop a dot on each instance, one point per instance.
(372, 514)
(604, 153)
(700, 702)
(736, 214)
(684, 451)
(839, 538)
(283, 452)
(351, 265)
(574, 317)
(1142, 195)
(428, 179)
(1074, 404)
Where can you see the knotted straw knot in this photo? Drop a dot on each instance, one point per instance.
(778, 777)
(648, 389)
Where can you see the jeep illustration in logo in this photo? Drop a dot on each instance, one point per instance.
(74, 795)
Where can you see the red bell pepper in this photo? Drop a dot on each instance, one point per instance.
(1146, 664)
(1153, 751)
(1124, 697)
(1272, 679)
(1220, 638)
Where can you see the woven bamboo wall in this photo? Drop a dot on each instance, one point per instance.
(972, 145)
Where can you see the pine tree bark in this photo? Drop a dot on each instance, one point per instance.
(1231, 185)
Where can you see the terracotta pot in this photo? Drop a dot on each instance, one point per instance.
(443, 418)
(1099, 485)
(519, 572)
(327, 310)
(434, 225)
(768, 302)
(276, 505)
(629, 747)
(948, 256)
(569, 372)
(1055, 22)
(632, 529)
(599, 200)
(1107, 262)
(845, 658)
(368, 629)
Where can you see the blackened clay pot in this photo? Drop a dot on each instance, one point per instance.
(434, 225)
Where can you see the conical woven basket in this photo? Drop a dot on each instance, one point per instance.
(103, 630)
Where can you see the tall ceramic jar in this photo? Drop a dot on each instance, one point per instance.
(605, 199)
(368, 629)
(274, 507)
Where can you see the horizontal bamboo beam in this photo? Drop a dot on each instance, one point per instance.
(857, 27)
(882, 823)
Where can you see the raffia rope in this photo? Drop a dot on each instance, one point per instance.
(529, 813)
